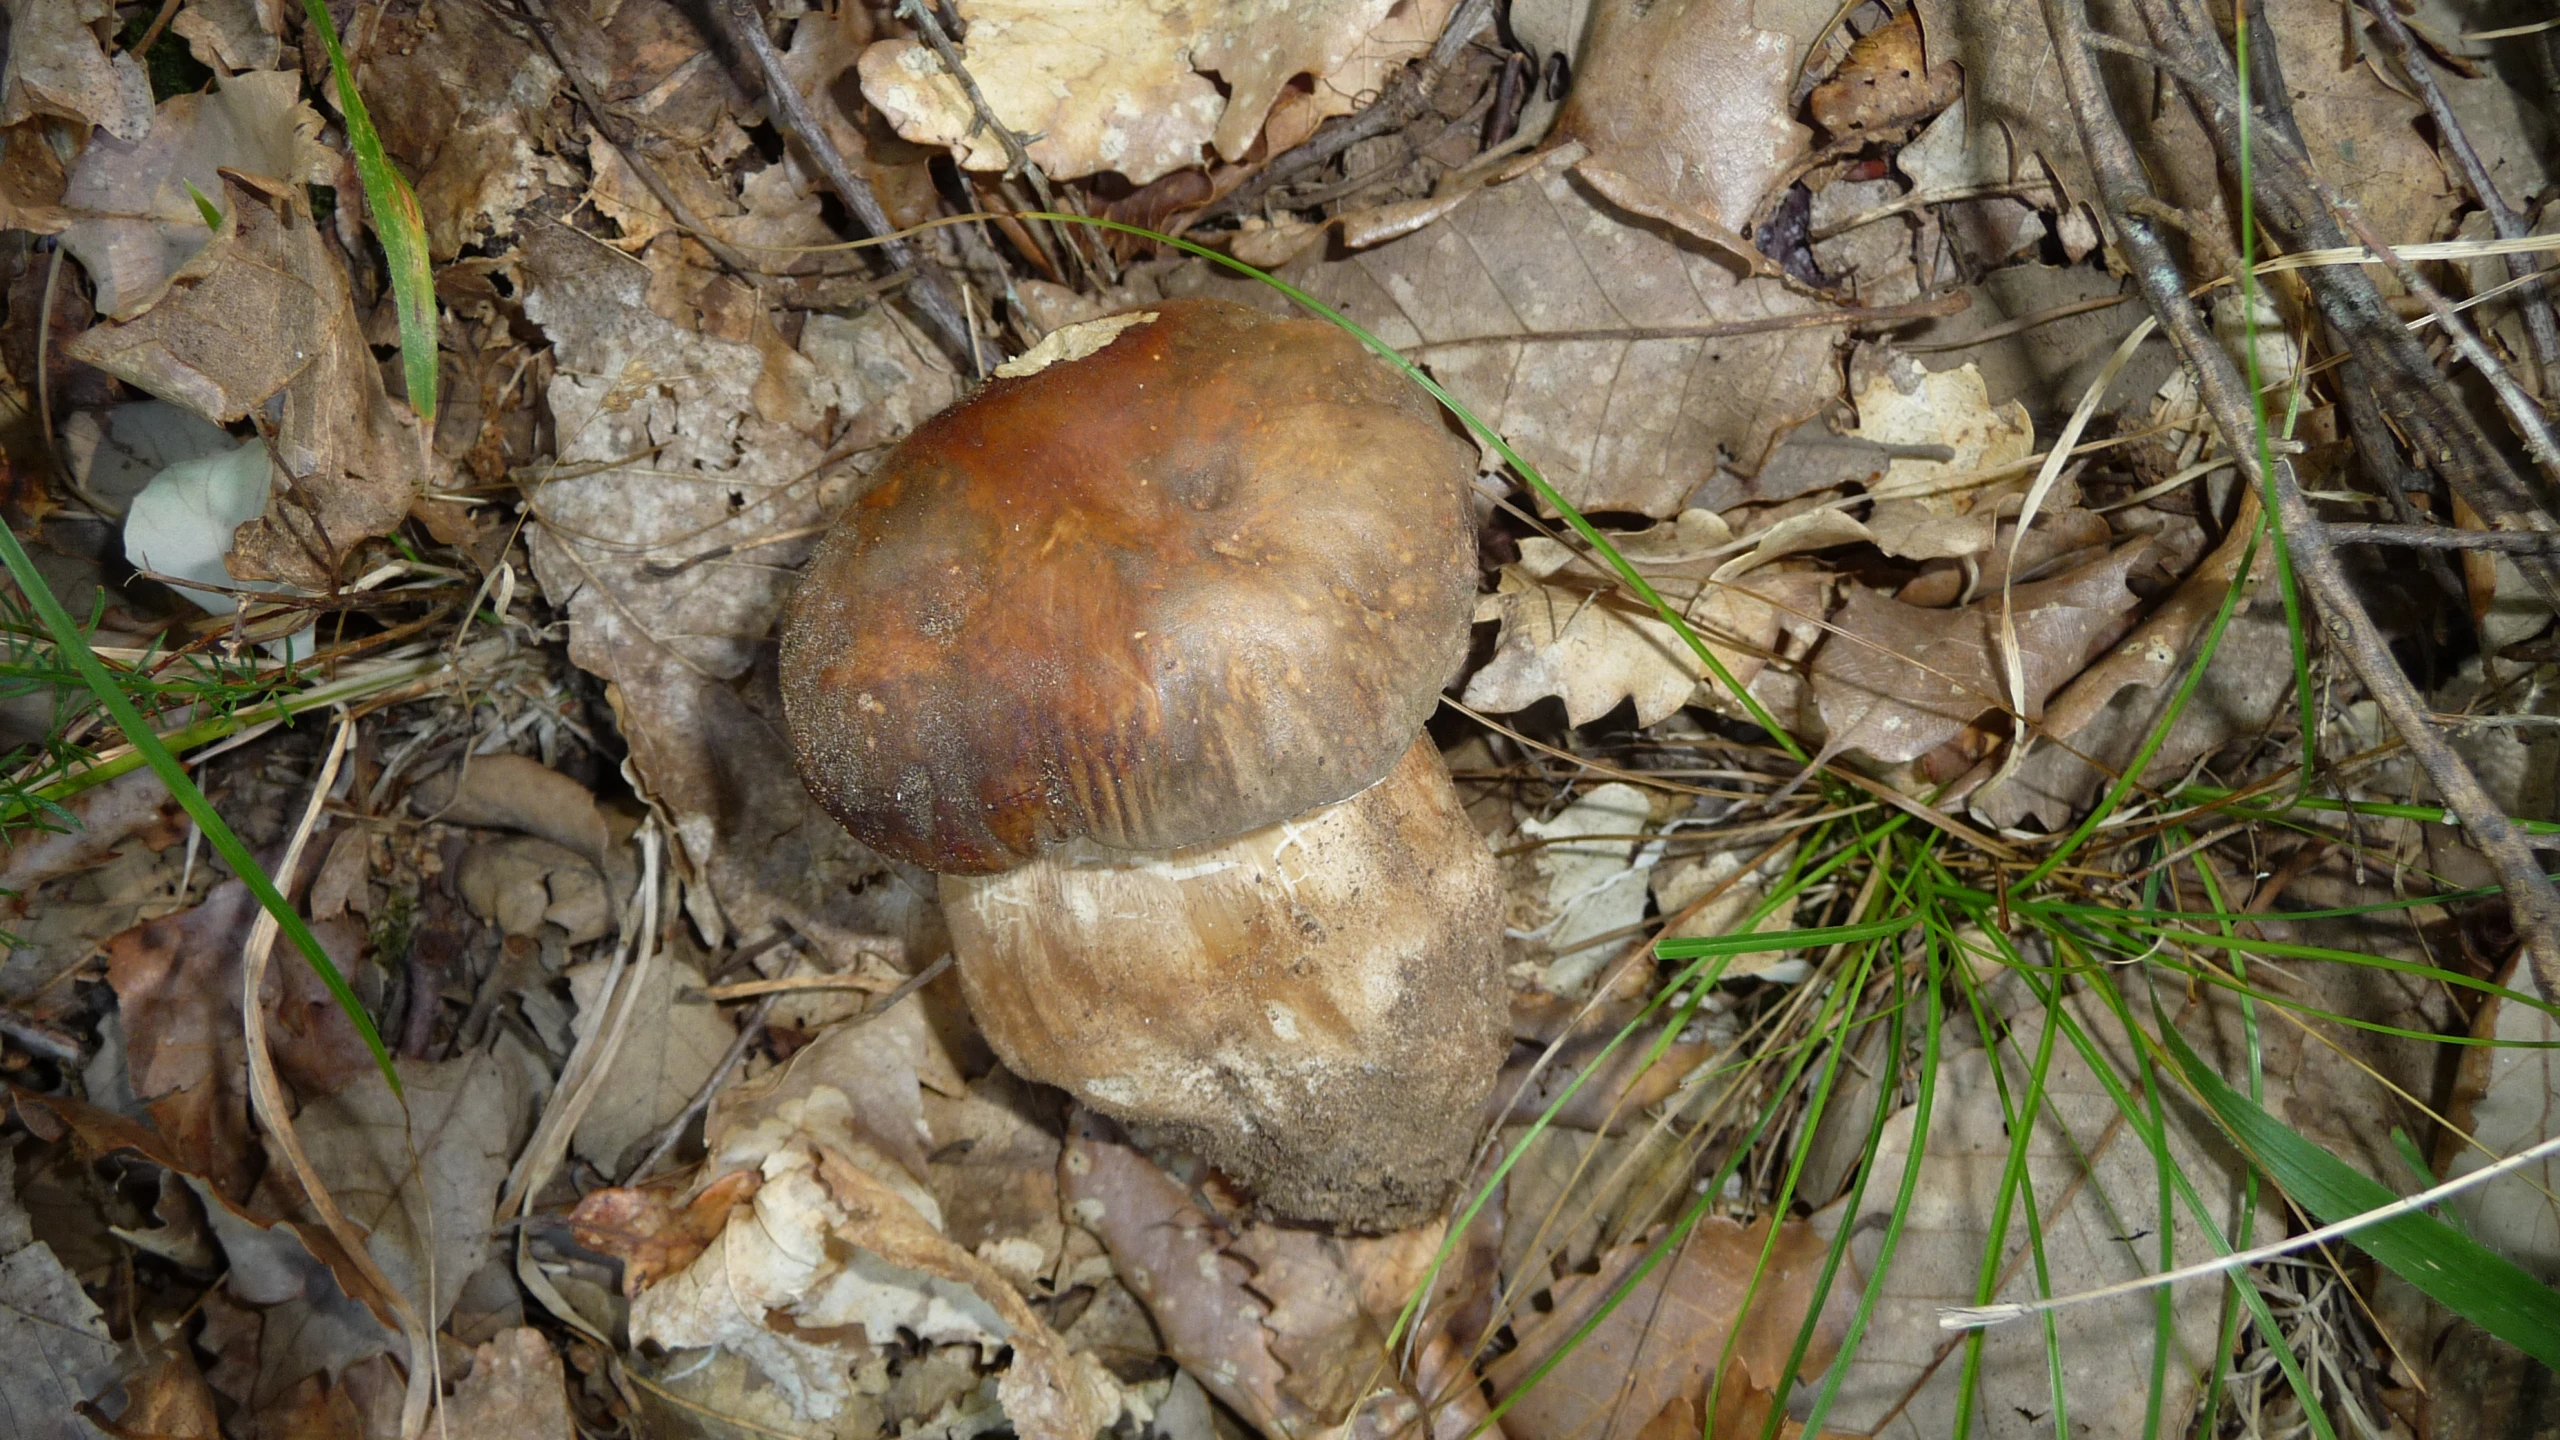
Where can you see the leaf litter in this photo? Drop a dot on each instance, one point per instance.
(1648, 246)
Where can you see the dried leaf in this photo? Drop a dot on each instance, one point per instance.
(2014, 86)
(138, 225)
(232, 36)
(56, 67)
(516, 1391)
(421, 1178)
(1658, 1347)
(1687, 110)
(177, 984)
(1112, 84)
(1902, 404)
(1596, 886)
(1887, 84)
(1615, 424)
(2098, 1189)
(1596, 648)
(1283, 1325)
(829, 1256)
(652, 1237)
(60, 1353)
(716, 473)
(459, 102)
(670, 1049)
(2507, 1098)
(103, 817)
(269, 311)
(1896, 681)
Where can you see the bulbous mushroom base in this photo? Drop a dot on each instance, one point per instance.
(1316, 1007)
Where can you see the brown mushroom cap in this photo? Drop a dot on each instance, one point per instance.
(1202, 579)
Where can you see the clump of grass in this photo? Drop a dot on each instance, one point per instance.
(1902, 947)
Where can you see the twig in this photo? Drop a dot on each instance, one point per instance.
(1017, 146)
(2227, 398)
(1868, 317)
(2536, 302)
(930, 291)
(266, 1101)
(38, 1038)
(1394, 108)
(2291, 200)
(2446, 537)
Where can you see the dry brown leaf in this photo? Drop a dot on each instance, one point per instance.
(2013, 87)
(1596, 647)
(1687, 109)
(177, 984)
(685, 464)
(1117, 84)
(1408, 30)
(857, 1086)
(1283, 1325)
(2098, 1189)
(1897, 681)
(460, 102)
(995, 1171)
(419, 1171)
(60, 1354)
(670, 1049)
(136, 225)
(1628, 1083)
(516, 1391)
(1615, 424)
(516, 792)
(56, 67)
(232, 36)
(269, 311)
(651, 1235)
(1887, 84)
(168, 1398)
(103, 818)
(1659, 1346)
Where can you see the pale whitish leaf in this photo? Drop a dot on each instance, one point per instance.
(2098, 1194)
(1900, 403)
(1595, 886)
(1118, 85)
(1594, 648)
(670, 1050)
(142, 206)
(2509, 1099)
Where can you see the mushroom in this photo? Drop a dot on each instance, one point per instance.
(1135, 647)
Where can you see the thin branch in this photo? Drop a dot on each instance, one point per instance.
(1869, 317)
(2536, 302)
(1395, 107)
(930, 292)
(2445, 537)
(2534, 902)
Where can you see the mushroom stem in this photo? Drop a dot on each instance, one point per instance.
(1316, 1007)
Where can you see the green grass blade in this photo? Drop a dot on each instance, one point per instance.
(75, 647)
(2456, 1271)
(397, 222)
